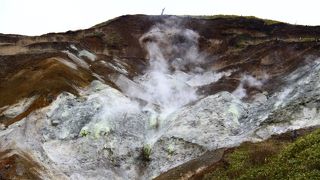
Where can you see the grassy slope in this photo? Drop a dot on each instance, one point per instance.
(272, 159)
(266, 21)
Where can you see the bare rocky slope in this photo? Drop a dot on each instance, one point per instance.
(138, 95)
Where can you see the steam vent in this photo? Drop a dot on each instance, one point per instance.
(162, 97)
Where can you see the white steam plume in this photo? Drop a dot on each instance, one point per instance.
(250, 81)
(170, 49)
(174, 73)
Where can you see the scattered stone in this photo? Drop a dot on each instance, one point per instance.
(55, 122)
(260, 98)
(2, 126)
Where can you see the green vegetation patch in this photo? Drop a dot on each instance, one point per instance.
(147, 149)
(114, 40)
(266, 21)
(273, 159)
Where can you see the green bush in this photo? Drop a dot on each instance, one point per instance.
(147, 151)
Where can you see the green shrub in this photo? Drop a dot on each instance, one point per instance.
(147, 151)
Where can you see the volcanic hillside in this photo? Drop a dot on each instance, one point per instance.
(138, 95)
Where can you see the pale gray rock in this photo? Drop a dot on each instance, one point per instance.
(104, 128)
(210, 121)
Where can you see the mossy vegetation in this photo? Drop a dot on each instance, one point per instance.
(170, 150)
(307, 39)
(266, 21)
(273, 159)
(114, 40)
(84, 132)
(146, 152)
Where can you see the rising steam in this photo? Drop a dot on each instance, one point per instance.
(249, 81)
(175, 69)
(175, 72)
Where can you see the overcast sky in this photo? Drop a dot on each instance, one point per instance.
(35, 17)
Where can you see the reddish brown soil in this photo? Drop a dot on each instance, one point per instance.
(13, 166)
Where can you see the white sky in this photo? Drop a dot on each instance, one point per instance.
(35, 17)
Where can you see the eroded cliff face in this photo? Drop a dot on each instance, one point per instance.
(138, 95)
